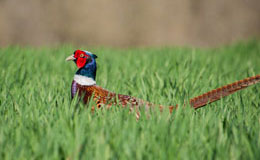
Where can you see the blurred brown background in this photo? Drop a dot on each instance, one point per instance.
(124, 23)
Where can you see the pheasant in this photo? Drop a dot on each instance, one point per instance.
(84, 85)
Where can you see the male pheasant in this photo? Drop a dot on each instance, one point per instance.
(85, 85)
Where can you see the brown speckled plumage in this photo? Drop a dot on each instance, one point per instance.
(103, 97)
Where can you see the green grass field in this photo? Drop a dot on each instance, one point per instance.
(38, 120)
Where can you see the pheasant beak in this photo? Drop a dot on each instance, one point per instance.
(70, 58)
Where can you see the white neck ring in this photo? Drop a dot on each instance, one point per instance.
(84, 81)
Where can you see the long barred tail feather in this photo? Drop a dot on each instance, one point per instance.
(221, 92)
(213, 95)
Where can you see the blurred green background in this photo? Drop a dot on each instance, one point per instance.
(124, 23)
(38, 120)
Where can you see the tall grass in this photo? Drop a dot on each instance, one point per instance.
(38, 120)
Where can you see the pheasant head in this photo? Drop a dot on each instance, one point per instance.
(86, 63)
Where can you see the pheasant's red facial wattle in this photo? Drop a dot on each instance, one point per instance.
(81, 58)
(80, 62)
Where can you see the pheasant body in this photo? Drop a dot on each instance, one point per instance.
(85, 85)
(103, 97)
